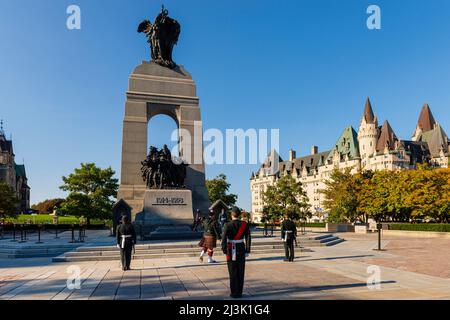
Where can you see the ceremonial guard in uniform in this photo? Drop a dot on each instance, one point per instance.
(288, 235)
(126, 239)
(236, 243)
(211, 231)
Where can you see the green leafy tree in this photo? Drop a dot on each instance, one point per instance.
(402, 195)
(443, 202)
(218, 189)
(341, 199)
(48, 205)
(287, 196)
(272, 208)
(379, 200)
(91, 192)
(425, 193)
(8, 201)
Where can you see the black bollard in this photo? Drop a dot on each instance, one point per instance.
(21, 235)
(73, 235)
(39, 235)
(80, 234)
(14, 233)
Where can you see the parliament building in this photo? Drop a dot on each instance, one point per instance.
(373, 147)
(13, 174)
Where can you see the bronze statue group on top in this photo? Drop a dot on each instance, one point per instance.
(162, 171)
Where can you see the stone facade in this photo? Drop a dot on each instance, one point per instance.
(13, 174)
(373, 147)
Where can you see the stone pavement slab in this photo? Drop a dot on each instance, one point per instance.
(338, 272)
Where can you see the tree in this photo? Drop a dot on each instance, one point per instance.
(443, 202)
(218, 190)
(8, 201)
(424, 192)
(272, 209)
(379, 200)
(286, 197)
(91, 192)
(403, 195)
(47, 206)
(341, 196)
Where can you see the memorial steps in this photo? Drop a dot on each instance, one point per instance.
(260, 245)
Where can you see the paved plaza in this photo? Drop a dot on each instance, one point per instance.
(410, 269)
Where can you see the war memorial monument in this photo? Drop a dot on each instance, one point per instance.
(162, 190)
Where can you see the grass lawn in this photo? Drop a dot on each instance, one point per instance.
(47, 219)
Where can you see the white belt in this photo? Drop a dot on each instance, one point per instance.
(123, 240)
(286, 235)
(233, 247)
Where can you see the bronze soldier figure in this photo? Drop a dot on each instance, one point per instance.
(162, 36)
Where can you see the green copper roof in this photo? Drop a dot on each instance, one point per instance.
(20, 170)
(347, 144)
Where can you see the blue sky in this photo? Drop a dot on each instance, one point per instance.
(304, 67)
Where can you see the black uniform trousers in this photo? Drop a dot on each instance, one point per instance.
(236, 270)
(125, 254)
(289, 248)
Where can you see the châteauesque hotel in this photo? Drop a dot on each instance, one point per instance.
(373, 147)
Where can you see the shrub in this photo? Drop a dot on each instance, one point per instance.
(421, 227)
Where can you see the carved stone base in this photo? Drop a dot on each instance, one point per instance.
(166, 208)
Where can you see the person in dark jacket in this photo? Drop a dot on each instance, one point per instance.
(126, 240)
(197, 220)
(288, 235)
(236, 244)
(223, 218)
(211, 231)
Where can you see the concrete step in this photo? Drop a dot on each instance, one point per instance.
(164, 251)
(190, 249)
(114, 257)
(183, 247)
(10, 252)
(334, 242)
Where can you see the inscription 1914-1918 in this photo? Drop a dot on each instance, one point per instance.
(167, 201)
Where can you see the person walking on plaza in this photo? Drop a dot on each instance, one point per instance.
(288, 235)
(126, 240)
(236, 244)
(211, 232)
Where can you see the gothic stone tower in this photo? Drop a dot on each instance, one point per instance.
(368, 135)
